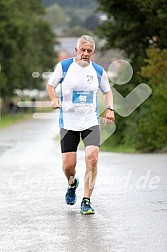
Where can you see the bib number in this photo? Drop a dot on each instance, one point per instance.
(82, 97)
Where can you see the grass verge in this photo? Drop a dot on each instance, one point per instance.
(7, 119)
(118, 148)
(113, 148)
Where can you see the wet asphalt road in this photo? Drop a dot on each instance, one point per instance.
(130, 197)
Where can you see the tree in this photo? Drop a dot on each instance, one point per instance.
(134, 25)
(55, 16)
(91, 22)
(71, 3)
(149, 130)
(26, 45)
(74, 17)
(77, 31)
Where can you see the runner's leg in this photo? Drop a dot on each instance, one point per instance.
(69, 143)
(69, 164)
(91, 139)
(91, 159)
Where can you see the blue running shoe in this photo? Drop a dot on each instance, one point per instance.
(86, 207)
(71, 197)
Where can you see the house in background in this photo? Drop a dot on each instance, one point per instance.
(66, 45)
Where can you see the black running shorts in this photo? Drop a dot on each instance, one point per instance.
(70, 139)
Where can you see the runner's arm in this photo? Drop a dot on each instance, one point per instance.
(55, 101)
(109, 114)
(108, 99)
(52, 83)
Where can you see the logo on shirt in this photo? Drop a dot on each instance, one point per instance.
(89, 79)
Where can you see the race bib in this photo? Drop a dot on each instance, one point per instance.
(82, 97)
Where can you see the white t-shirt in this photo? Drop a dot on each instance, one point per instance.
(79, 89)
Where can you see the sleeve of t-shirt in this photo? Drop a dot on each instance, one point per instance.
(104, 85)
(56, 76)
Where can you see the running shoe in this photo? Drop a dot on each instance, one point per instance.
(70, 196)
(86, 207)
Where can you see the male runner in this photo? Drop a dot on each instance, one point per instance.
(80, 79)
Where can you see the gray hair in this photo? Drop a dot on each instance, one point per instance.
(86, 38)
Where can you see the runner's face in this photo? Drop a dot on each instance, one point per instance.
(84, 53)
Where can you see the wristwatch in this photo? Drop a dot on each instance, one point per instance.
(111, 108)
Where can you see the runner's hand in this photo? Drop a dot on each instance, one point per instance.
(108, 117)
(55, 103)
